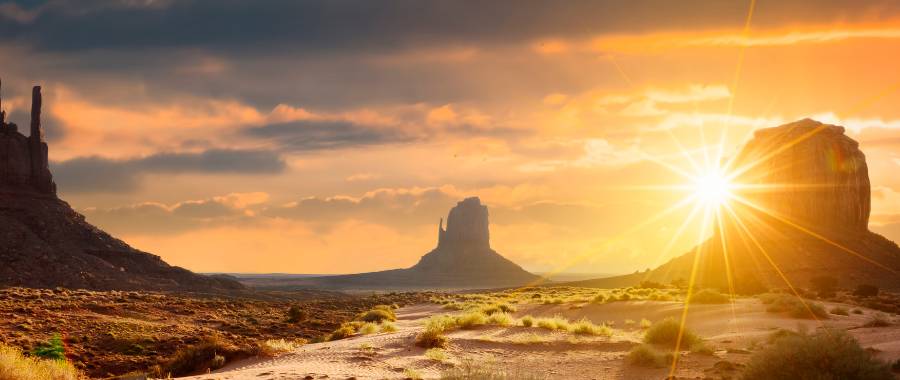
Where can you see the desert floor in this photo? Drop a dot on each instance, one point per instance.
(734, 332)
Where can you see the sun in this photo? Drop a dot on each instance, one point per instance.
(712, 187)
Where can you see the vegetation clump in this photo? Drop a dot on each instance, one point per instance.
(840, 310)
(296, 314)
(378, 314)
(14, 365)
(210, 354)
(827, 354)
(709, 296)
(666, 333)
(792, 305)
(645, 355)
(54, 349)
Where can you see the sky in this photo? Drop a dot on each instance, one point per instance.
(331, 136)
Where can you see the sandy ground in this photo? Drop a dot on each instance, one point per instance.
(734, 332)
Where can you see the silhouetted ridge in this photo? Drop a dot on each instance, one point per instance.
(463, 258)
(44, 243)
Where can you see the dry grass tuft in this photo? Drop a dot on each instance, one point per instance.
(16, 366)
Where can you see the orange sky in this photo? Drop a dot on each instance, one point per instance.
(261, 154)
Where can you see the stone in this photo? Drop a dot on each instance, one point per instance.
(44, 243)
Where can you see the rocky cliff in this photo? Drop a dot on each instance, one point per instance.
(808, 188)
(45, 243)
(463, 258)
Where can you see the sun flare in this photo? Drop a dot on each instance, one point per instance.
(713, 188)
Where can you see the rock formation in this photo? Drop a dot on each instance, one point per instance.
(44, 243)
(463, 258)
(809, 198)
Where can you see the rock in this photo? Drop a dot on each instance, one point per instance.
(463, 258)
(819, 175)
(44, 243)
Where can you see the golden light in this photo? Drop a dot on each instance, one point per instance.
(712, 188)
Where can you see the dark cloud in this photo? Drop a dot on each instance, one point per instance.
(329, 25)
(96, 174)
(300, 136)
(154, 218)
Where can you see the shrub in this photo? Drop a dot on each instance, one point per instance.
(651, 285)
(368, 328)
(527, 321)
(645, 323)
(296, 314)
(831, 354)
(865, 290)
(14, 365)
(272, 347)
(646, 356)
(345, 331)
(436, 354)
(498, 308)
(556, 322)
(388, 326)
(709, 296)
(600, 298)
(431, 338)
(480, 371)
(471, 320)
(378, 314)
(197, 358)
(586, 327)
(840, 310)
(53, 349)
(500, 319)
(666, 331)
(796, 307)
(878, 320)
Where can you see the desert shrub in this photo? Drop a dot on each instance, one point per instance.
(412, 374)
(368, 328)
(709, 296)
(878, 320)
(831, 354)
(557, 322)
(471, 320)
(345, 331)
(53, 349)
(500, 319)
(14, 365)
(645, 323)
(296, 314)
(454, 306)
(469, 370)
(646, 356)
(378, 314)
(865, 290)
(388, 326)
(666, 331)
(795, 306)
(840, 310)
(600, 298)
(436, 354)
(527, 321)
(651, 285)
(824, 285)
(431, 338)
(498, 308)
(273, 347)
(197, 358)
(586, 327)
(702, 348)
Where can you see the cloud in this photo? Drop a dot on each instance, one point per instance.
(103, 175)
(150, 218)
(312, 135)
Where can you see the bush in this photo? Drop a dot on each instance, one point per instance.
(387, 326)
(436, 354)
(479, 371)
(586, 327)
(54, 349)
(646, 356)
(433, 334)
(865, 290)
(14, 365)
(197, 358)
(368, 328)
(498, 308)
(831, 354)
(345, 331)
(527, 321)
(378, 314)
(471, 320)
(296, 314)
(557, 322)
(666, 333)
(500, 319)
(645, 323)
(878, 320)
(272, 347)
(709, 296)
(840, 310)
(796, 307)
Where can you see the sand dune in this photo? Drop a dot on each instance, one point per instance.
(734, 332)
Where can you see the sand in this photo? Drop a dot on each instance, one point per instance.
(733, 331)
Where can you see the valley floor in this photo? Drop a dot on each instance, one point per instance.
(733, 333)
